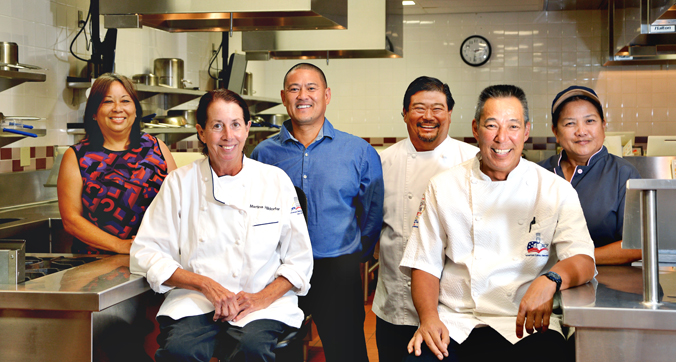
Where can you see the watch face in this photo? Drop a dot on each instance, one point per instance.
(475, 50)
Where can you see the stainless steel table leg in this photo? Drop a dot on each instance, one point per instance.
(649, 249)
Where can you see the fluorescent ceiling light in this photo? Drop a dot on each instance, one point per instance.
(405, 3)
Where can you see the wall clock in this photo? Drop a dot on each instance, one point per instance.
(475, 50)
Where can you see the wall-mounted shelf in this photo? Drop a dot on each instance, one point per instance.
(173, 97)
(8, 137)
(11, 78)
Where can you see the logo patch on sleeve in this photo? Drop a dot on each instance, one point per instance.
(420, 211)
(296, 209)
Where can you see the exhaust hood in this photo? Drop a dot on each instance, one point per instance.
(375, 30)
(641, 32)
(218, 15)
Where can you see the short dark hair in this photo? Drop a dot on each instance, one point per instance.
(501, 91)
(557, 113)
(210, 97)
(306, 66)
(429, 84)
(96, 95)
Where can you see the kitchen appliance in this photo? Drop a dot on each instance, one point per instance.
(225, 15)
(40, 265)
(376, 30)
(169, 72)
(274, 119)
(12, 256)
(168, 121)
(147, 79)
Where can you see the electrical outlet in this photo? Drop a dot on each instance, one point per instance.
(80, 19)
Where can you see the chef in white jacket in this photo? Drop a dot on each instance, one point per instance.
(227, 240)
(407, 168)
(493, 241)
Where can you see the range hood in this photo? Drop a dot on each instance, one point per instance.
(641, 32)
(218, 15)
(375, 30)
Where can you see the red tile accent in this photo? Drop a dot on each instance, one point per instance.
(50, 151)
(5, 153)
(16, 166)
(389, 140)
(32, 152)
(40, 163)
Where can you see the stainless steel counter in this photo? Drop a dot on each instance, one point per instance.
(80, 314)
(612, 323)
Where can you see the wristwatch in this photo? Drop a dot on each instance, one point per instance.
(555, 278)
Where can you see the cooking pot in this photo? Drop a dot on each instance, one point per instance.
(169, 72)
(147, 79)
(274, 119)
(173, 121)
(9, 54)
(190, 115)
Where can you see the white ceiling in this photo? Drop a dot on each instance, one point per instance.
(471, 6)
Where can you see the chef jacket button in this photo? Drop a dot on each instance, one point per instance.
(478, 218)
(579, 171)
(204, 208)
(237, 242)
(521, 221)
(410, 196)
(409, 283)
(474, 181)
(201, 240)
(509, 294)
(305, 154)
(413, 155)
(206, 179)
(304, 176)
(241, 212)
(234, 274)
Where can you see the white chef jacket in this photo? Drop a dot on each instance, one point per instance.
(476, 236)
(243, 231)
(406, 173)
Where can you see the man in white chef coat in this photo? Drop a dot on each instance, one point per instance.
(493, 241)
(407, 168)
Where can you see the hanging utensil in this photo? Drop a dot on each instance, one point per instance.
(24, 133)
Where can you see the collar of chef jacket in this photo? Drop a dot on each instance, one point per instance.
(229, 190)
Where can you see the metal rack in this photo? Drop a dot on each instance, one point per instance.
(12, 78)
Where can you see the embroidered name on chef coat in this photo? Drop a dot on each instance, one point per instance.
(269, 208)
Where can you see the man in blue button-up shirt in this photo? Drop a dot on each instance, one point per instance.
(342, 178)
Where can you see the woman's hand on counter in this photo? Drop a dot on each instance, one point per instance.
(613, 254)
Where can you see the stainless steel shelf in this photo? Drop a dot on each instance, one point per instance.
(11, 78)
(8, 137)
(177, 96)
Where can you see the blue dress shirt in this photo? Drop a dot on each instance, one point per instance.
(601, 186)
(342, 177)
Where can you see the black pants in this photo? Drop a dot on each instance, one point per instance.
(197, 338)
(336, 303)
(486, 344)
(393, 340)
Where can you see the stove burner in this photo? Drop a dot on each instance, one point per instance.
(37, 267)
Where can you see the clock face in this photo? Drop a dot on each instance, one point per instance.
(475, 50)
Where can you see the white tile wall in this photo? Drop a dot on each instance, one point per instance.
(542, 52)
(44, 29)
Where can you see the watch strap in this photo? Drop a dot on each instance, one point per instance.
(555, 278)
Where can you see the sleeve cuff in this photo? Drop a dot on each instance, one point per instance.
(159, 273)
(300, 286)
